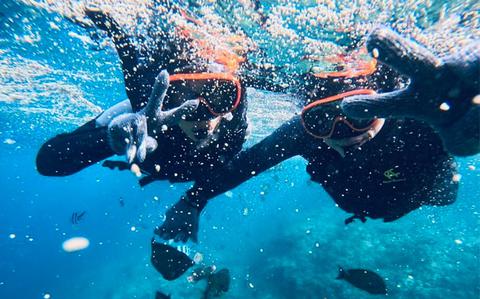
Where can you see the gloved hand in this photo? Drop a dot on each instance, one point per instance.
(181, 222)
(442, 92)
(128, 133)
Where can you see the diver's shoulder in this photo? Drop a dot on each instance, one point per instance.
(405, 123)
(409, 127)
(412, 136)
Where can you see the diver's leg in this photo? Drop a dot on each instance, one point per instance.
(125, 48)
(133, 70)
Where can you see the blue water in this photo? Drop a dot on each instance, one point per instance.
(280, 235)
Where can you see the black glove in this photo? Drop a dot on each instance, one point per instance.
(181, 222)
(442, 92)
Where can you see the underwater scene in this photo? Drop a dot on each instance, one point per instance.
(239, 149)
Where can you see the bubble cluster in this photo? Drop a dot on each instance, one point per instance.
(28, 83)
(288, 37)
(283, 29)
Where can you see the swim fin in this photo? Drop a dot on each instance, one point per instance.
(160, 295)
(168, 261)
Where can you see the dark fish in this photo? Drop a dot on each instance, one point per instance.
(365, 280)
(217, 284)
(160, 295)
(121, 202)
(77, 217)
(168, 261)
(202, 272)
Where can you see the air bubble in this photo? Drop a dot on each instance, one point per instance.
(444, 106)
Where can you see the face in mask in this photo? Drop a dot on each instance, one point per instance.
(200, 132)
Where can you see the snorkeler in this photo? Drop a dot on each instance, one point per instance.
(445, 93)
(177, 127)
(372, 168)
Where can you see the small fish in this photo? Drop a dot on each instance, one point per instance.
(160, 295)
(77, 217)
(366, 280)
(121, 202)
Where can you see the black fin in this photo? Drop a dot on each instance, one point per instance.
(341, 273)
(350, 220)
(160, 295)
(168, 261)
(146, 180)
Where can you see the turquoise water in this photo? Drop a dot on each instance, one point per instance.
(280, 235)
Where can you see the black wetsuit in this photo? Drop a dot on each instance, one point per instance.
(177, 157)
(403, 167)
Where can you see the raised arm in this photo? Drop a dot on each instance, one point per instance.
(68, 153)
(115, 131)
(182, 219)
(285, 142)
(443, 92)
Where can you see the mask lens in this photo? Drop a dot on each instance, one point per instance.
(179, 91)
(325, 119)
(220, 96)
(319, 120)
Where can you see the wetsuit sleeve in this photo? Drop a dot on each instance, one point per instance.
(287, 141)
(69, 153)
